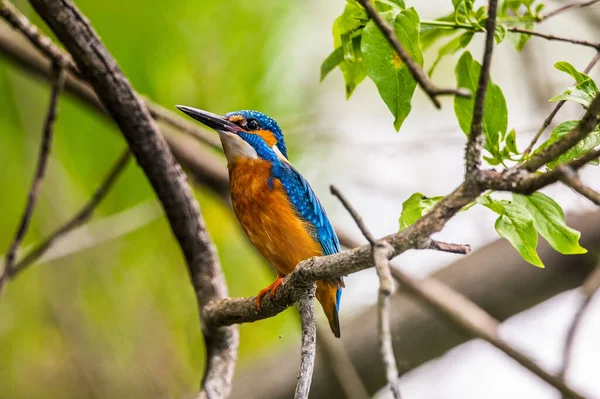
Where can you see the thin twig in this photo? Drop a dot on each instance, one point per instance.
(566, 7)
(357, 218)
(588, 289)
(462, 249)
(382, 251)
(306, 307)
(570, 178)
(42, 42)
(80, 217)
(416, 71)
(475, 321)
(475, 143)
(583, 128)
(554, 37)
(40, 171)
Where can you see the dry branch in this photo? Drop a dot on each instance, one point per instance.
(306, 308)
(168, 181)
(381, 258)
(566, 7)
(38, 178)
(588, 289)
(494, 277)
(550, 37)
(569, 177)
(80, 217)
(557, 108)
(475, 142)
(476, 322)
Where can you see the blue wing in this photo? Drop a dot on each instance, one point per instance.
(309, 208)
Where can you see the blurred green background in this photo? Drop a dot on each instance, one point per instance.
(116, 316)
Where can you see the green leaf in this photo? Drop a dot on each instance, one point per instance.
(333, 60)
(519, 40)
(495, 119)
(353, 18)
(459, 42)
(354, 74)
(570, 69)
(549, 220)
(500, 33)
(583, 93)
(588, 143)
(511, 142)
(391, 76)
(517, 226)
(415, 207)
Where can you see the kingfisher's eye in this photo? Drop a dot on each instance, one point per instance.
(252, 124)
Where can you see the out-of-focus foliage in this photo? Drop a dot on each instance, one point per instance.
(120, 319)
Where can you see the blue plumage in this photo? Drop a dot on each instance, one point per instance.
(266, 123)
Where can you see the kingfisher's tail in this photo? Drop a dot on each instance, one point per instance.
(329, 294)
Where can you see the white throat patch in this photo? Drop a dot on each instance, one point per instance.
(235, 147)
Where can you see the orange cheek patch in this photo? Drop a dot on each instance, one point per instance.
(236, 118)
(267, 136)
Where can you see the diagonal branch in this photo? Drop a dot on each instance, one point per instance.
(381, 257)
(100, 69)
(40, 171)
(465, 314)
(45, 45)
(475, 142)
(554, 37)
(589, 289)
(566, 7)
(417, 72)
(557, 108)
(569, 177)
(584, 127)
(306, 307)
(80, 217)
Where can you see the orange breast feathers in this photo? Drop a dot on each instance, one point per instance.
(268, 217)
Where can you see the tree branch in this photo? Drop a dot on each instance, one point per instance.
(80, 217)
(579, 4)
(416, 71)
(569, 177)
(584, 127)
(168, 181)
(554, 38)
(46, 46)
(495, 277)
(306, 307)
(475, 321)
(557, 108)
(381, 258)
(475, 142)
(38, 177)
(589, 289)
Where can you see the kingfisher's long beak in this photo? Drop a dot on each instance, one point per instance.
(211, 120)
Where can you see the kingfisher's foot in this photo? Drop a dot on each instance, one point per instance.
(270, 289)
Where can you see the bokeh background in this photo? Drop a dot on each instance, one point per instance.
(112, 313)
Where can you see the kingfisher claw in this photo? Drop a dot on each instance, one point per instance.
(270, 289)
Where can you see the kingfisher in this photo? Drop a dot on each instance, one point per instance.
(277, 208)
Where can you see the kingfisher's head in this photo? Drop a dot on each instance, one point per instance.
(244, 134)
